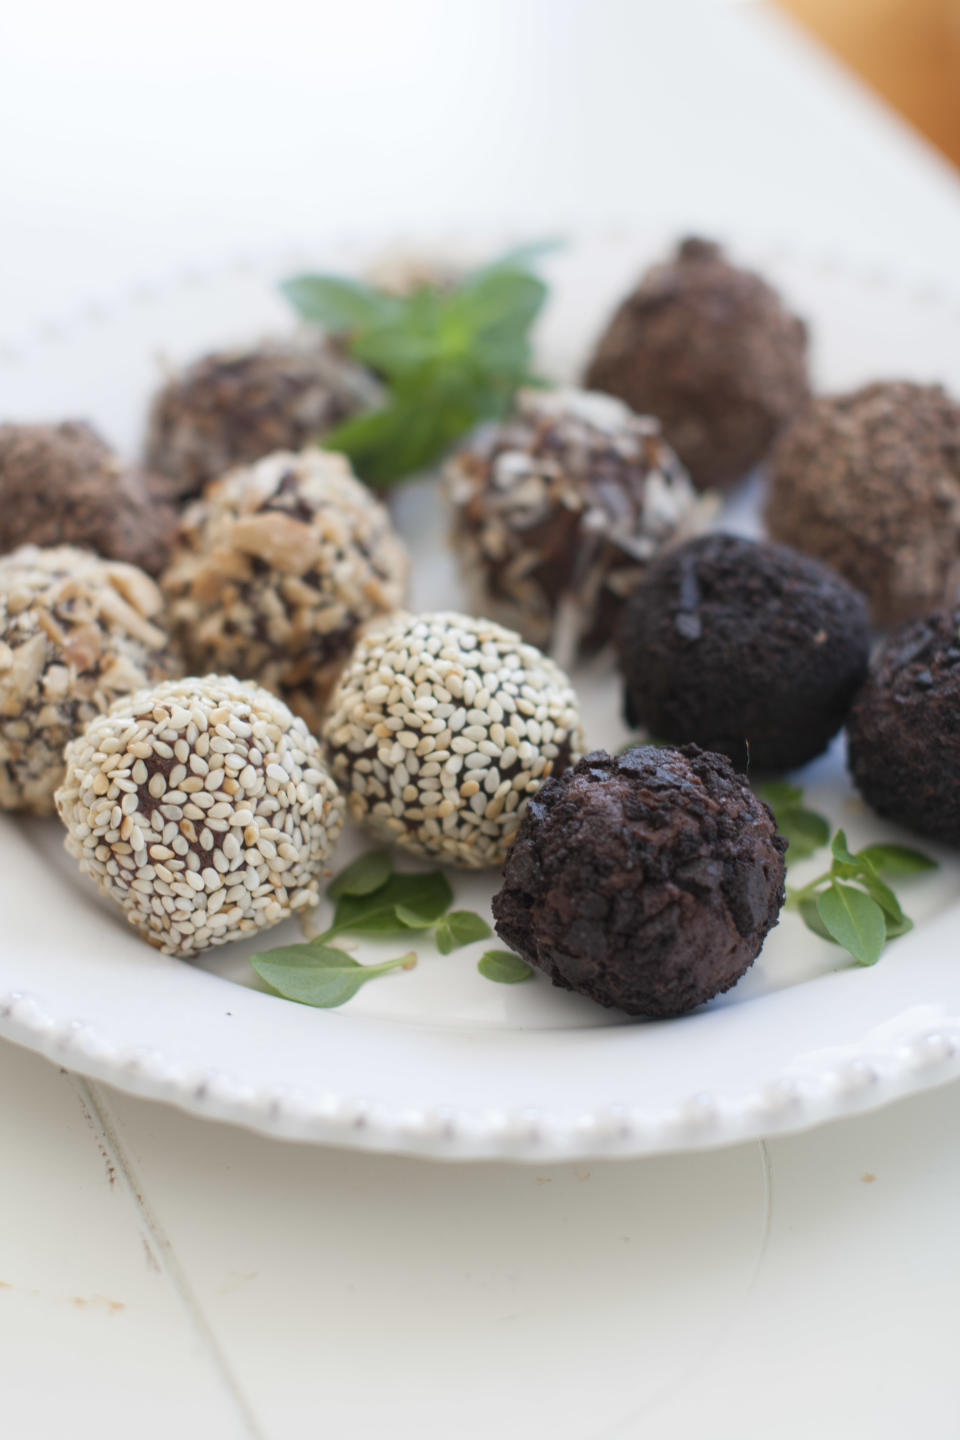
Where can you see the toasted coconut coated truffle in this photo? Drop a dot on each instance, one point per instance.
(63, 485)
(75, 633)
(558, 510)
(712, 351)
(202, 807)
(904, 728)
(647, 881)
(235, 406)
(441, 728)
(870, 482)
(275, 570)
(749, 649)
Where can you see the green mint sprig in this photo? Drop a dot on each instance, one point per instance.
(449, 357)
(806, 830)
(504, 967)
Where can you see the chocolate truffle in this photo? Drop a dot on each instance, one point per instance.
(63, 485)
(904, 728)
(712, 351)
(75, 632)
(235, 406)
(441, 728)
(276, 568)
(202, 807)
(647, 881)
(558, 509)
(746, 648)
(870, 482)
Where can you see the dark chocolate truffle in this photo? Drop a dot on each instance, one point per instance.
(746, 648)
(559, 508)
(63, 485)
(234, 407)
(712, 351)
(648, 881)
(904, 728)
(871, 482)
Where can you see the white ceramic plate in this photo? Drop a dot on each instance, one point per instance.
(439, 1061)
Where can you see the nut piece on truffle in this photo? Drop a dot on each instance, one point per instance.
(870, 482)
(746, 648)
(647, 881)
(440, 729)
(275, 570)
(559, 508)
(75, 632)
(904, 728)
(235, 406)
(63, 485)
(203, 808)
(712, 351)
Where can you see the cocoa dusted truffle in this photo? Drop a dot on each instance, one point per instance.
(276, 569)
(202, 807)
(63, 485)
(235, 406)
(712, 351)
(442, 727)
(904, 728)
(746, 648)
(647, 881)
(870, 482)
(558, 510)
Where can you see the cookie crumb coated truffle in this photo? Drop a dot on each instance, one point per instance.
(904, 728)
(747, 648)
(558, 509)
(203, 808)
(276, 568)
(441, 728)
(63, 485)
(235, 406)
(870, 482)
(75, 633)
(646, 881)
(712, 351)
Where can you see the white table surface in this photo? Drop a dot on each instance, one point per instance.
(163, 1275)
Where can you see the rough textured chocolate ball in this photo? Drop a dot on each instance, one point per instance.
(747, 648)
(63, 485)
(647, 881)
(870, 482)
(235, 406)
(904, 728)
(712, 351)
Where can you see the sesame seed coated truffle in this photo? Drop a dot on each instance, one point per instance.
(235, 406)
(441, 728)
(203, 808)
(75, 633)
(275, 570)
(558, 509)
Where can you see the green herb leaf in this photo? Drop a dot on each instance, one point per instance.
(898, 927)
(413, 920)
(854, 920)
(844, 861)
(897, 859)
(338, 302)
(460, 927)
(426, 896)
(504, 967)
(881, 892)
(780, 795)
(319, 975)
(804, 830)
(366, 874)
(810, 915)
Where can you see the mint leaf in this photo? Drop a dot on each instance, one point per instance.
(881, 892)
(425, 896)
(780, 795)
(319, 975)
(366, 874)
(844, 861)
(412, 919)
(897, 859)
(810, 915)
(504, 967)
(898, 927)
(854, 920)
(339, 303)
(805, 831)
(460, 927)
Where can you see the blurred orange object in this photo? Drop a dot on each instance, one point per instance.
(908, 50)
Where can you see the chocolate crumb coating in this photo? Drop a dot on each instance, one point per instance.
(63, 485)
(904, 728)
(870, 481)
(712, 351)
(647, 881)
(235, 406)
(747, 648)
(558, 509)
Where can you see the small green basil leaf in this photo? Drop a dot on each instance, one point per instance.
(504, 967)
(338, 303)
(413, 919)
(805, 830)
(427, 896)
(319, 975)
(898, 927)
(366, 874)
(810, 915)
(854, 920)
(460, 927)
(880, 891)
(897, 859)
(780, 795)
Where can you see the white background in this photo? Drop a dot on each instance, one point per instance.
(162, 1274)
